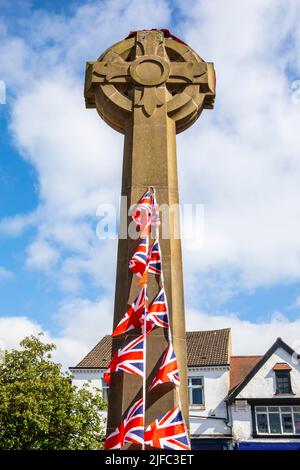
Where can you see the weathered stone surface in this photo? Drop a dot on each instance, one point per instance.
(150, 87)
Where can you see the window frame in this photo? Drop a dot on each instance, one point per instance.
(293, 410)
(191, 387)
(283, 374)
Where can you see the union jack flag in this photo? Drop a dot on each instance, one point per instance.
(155, 259)
(130, 359)
(152, 261)
(168, 371)
(143, 210)
(168, 432)
(134, 316)
(131, 430)
(158, 312)
(139, 260)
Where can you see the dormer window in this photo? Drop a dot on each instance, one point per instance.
(283, 378)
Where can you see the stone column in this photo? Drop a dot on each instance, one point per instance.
(150, 87)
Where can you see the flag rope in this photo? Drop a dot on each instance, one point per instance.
(156, 237)
(145, 360)
(166, 298)
(153, 225)
(150, 188)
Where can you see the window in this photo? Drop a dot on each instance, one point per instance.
(262, 421)
(277, 419)
(297, 421)
(274, 421)
(283, 381)
(196, 390)
(105, 388)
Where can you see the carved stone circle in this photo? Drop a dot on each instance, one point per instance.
(148, 71)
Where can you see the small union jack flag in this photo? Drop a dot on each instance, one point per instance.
(130, 359)
(139, 260)
(158, 312)
(168, 371)
(154, 259)
(134, 316)
(143, 211)
(168, 432)
(153, 263)
(131, 430)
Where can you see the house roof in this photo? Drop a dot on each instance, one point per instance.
(99, 357)
(240, 366)
(208, 348)
(204, 348)
(282, 366)
(260, 362)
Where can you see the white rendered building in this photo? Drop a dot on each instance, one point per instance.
(236, 402)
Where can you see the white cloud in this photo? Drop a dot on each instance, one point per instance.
(248, 337)
(61, 140)
(240, 160)
(5, 274)
(14, 329)
(15, 226)
(41, 255)
(295, 304)
(84, 320)
(82, 324)
(77, 157)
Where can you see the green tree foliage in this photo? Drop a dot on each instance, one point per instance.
(39, 407)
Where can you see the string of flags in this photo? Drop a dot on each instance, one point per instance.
(168, 431)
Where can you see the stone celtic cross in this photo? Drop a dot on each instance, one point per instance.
(150, 87)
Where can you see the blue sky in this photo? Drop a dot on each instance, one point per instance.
(241, 161)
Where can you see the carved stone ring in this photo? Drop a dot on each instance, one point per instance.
(149, 71)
